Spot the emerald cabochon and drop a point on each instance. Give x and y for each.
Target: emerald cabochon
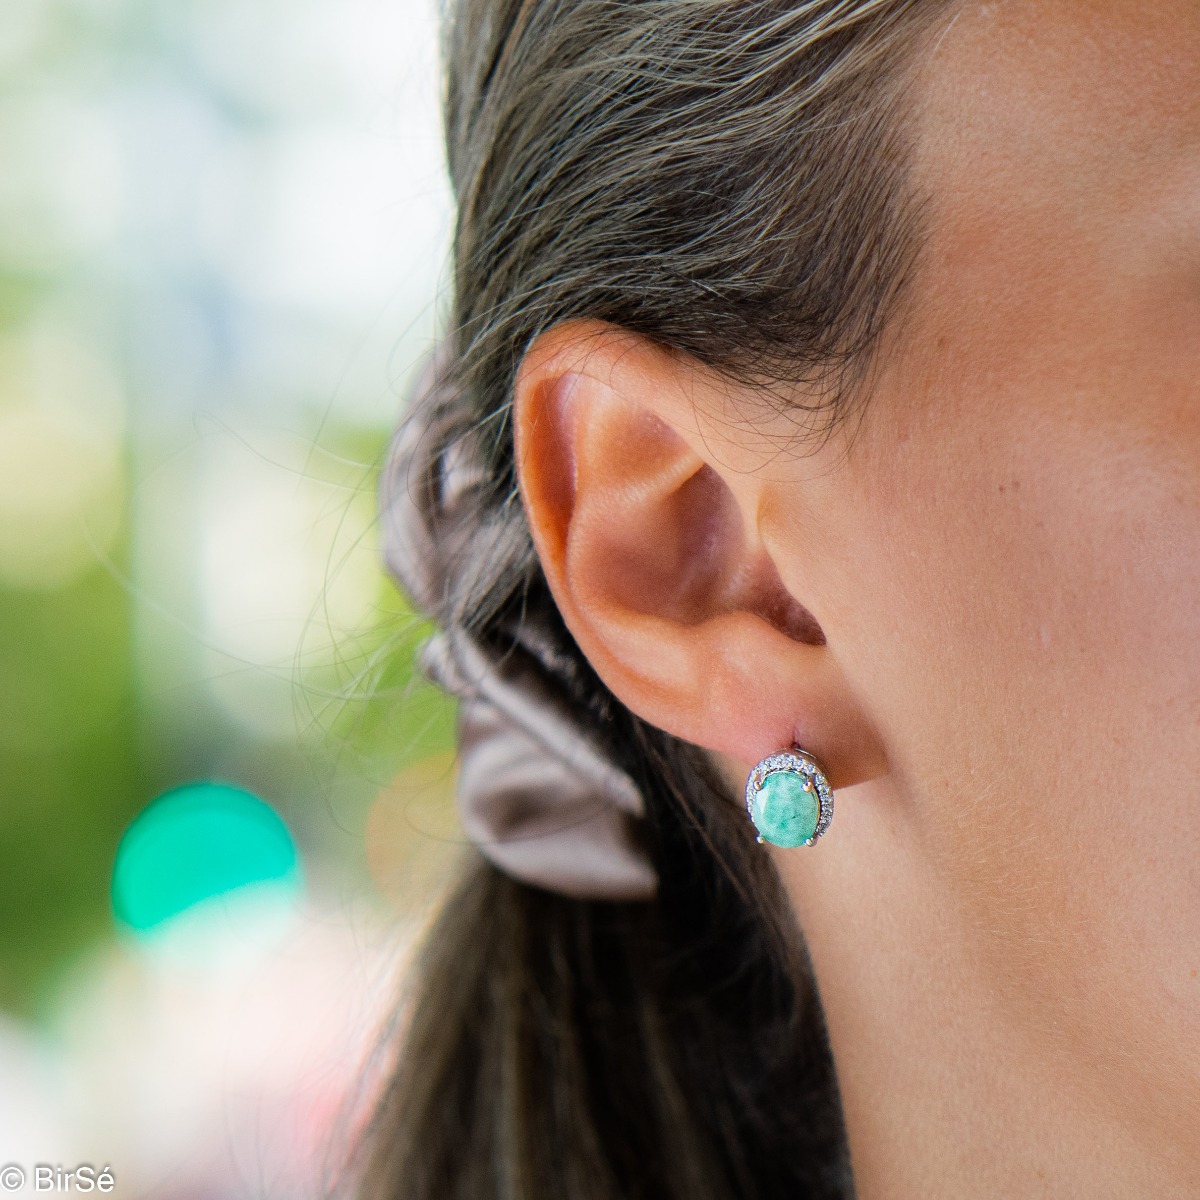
(786, 809)
(789, 799)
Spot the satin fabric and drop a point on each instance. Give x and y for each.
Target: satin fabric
(535, 794)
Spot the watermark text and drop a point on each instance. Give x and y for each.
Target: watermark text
(53, 1177)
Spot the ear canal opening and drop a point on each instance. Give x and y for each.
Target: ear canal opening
(715, 554)
(783, 612)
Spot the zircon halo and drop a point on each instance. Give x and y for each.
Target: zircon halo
(789, 799)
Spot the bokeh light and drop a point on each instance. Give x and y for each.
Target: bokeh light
(62, 429)
(196, 843)
(224, 230)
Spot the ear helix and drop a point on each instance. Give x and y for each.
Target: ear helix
(789, 799)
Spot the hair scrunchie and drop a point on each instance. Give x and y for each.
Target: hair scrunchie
(535, 794)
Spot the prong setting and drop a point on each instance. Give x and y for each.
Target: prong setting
(801, 763)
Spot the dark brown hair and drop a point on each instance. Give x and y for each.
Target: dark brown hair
(725, 178)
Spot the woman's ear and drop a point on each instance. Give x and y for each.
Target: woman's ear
(646, 526)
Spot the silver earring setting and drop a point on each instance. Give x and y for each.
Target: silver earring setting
(789, 799)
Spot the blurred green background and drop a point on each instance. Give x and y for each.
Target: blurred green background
(223, 224)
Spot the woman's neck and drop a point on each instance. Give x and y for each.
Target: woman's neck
(955, 1083)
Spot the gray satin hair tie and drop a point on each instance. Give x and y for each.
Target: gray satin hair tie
(536, 796)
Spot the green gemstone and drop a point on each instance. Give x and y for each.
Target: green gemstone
(784, 812)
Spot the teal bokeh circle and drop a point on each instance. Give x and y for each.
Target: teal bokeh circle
(196, 842)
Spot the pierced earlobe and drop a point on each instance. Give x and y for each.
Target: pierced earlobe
(789, 799)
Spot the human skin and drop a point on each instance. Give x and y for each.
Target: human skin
(1003, 557)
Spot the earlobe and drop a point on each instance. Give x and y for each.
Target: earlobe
(648, 541)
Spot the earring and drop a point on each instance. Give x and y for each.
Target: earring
(789, 799)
